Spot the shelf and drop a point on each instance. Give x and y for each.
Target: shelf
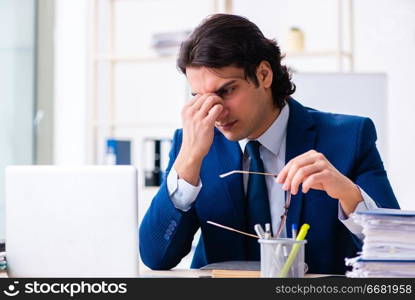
(318, 54)
(152, 58)
(134, 58)
(150, 189)
(104, 124)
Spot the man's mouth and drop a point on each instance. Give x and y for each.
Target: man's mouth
(226, 126)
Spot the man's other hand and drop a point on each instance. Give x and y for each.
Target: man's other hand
(314, 171)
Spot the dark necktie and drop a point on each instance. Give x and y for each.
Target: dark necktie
(258, 211)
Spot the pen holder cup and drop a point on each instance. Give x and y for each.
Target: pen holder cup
(282, 258)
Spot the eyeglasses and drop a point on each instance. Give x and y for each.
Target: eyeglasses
(284, 215)
(287, 196)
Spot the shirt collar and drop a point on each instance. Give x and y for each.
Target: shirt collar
(274, 135)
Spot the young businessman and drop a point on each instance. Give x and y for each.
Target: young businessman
(241, 117)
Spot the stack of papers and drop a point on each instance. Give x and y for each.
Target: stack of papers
(3, 264)
(388, 246)
(380, 268)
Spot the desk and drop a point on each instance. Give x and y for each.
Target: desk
(179, 273)
(194, 273)
(3, 274)
(176, 273)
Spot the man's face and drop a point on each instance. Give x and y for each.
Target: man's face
(248, 109)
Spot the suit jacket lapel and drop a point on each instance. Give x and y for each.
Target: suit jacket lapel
(300, 139)
(229, 156)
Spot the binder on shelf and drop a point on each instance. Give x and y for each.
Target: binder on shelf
(118, 152)
(156, 159)
(3, 262)
(168, 43)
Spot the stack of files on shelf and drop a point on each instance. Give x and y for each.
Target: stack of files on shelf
(388, 246)
(167, 43)
(3, 264)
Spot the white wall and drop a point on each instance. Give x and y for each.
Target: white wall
(70, 81)
(385, 41)
(362, 94)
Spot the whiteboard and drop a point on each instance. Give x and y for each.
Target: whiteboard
(347, 93)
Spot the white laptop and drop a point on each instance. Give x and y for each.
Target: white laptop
(72, 221)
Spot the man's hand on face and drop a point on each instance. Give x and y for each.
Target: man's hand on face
(314, 171)
(198, 116)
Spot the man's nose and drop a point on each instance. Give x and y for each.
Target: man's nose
(223, 114)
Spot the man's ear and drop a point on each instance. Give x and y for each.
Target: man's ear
(264, 74)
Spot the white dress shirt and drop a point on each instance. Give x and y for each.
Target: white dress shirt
(272, 152)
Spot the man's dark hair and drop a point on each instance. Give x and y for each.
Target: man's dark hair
(229, 40)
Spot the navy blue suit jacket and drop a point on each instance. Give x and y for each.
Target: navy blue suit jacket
(348, 142)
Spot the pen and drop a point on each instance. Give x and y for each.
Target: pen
(294, 250)
(259, 231)
(267, 231)
(294, 231)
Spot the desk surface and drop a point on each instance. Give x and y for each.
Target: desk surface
(177, 273)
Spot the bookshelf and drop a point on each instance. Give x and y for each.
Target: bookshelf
(110, 55)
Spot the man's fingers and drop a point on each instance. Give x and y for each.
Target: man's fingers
(282, 176)
(196, 102)
(208, 104)
(188, 109)
(302, 174)
(293, 167)
(213, 114)
(286, 174)
(192, 101)
(315, 181)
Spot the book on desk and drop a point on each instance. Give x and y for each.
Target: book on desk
(244, 269)
(234, 269)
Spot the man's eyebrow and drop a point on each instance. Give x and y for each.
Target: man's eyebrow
(221, 88)
(224, 86)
